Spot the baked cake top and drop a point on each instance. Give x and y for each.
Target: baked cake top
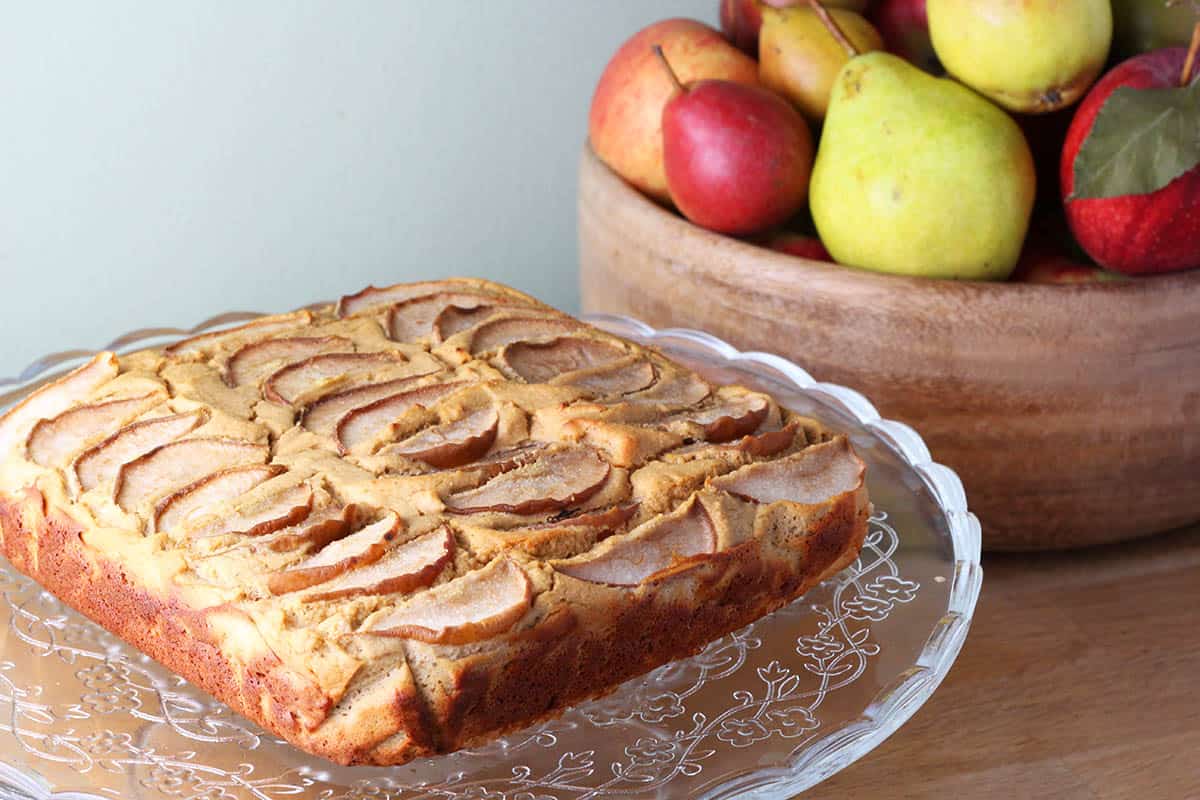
(427, 465)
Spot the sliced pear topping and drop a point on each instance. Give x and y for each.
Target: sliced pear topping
(612, 380)
(178, 464)
(315, 532)
(558, 480)
(407, 567)
(99, 464)
(498, 333)
(767, 443)
(477, 606)
(53, 442)
(288, 507)
(416, 318)
(570, 535)
(203, 495)
(360, 548)
(759, 445)
(609, 518)
(456, 319)
(54, 398)
(729, 417)
(814, 475)
(648, 551)
(538, 362)
(254, 329)
(452, 444)
(323, 416)
(508, 459)
(295, 381)
(677, 389)
(257, 360)
(366, 424)
(373, 297)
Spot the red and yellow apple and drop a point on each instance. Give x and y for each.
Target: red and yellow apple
(625, 122)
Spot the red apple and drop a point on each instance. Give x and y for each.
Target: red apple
(740, 21)
(797, 244)
(1043, 263)
(1134, 233)
(905, 31)
(625, 123)
(737, 157)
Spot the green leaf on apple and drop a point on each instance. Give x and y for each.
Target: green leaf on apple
(1141, 140)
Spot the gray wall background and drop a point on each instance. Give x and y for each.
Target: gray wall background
(162, 162)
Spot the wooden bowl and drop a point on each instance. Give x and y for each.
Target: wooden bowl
(1072, 413)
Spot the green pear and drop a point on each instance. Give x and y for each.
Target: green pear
(918, 175)
(1143, 25)
(1031, 56)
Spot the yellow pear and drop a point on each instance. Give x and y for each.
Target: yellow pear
(918, 175)
(1031, 56)
(799, 55)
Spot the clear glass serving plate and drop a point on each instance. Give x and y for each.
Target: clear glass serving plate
(766, 711)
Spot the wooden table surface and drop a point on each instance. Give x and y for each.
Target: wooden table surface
(1080, 678)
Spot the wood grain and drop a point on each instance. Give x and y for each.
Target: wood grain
(1077, 680)
(1060, 406)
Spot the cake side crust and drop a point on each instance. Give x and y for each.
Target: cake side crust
(541, 672)
(532, 676)
(47, 547)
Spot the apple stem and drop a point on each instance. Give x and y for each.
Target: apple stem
(1185, 79)
(833, 27)
(662, 57)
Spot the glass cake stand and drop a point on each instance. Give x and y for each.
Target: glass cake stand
(766, 711)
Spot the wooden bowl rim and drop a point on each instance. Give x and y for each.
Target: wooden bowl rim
(852, 278)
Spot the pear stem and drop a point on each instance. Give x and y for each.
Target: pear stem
(662, 57)
(1185, 78)
(833, 27)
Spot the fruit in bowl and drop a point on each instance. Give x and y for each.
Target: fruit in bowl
(1143, 25)
(1044, 261)
(741, 19)
(801, 50)
(1032, 56)
(737, 157)
(918, 175)
(914, 174)
(904, 26)
(625, 122)
(798, 244)
(1060, 396)
(1130, 174)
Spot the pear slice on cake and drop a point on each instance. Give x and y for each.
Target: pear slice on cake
(479, 605)
(558, 480)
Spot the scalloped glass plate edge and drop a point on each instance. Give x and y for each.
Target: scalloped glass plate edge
(892, 706)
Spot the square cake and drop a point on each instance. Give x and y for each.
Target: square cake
(417, 519)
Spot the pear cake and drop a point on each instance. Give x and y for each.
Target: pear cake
(417, 519)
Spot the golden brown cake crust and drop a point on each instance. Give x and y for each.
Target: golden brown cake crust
(545, 528)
